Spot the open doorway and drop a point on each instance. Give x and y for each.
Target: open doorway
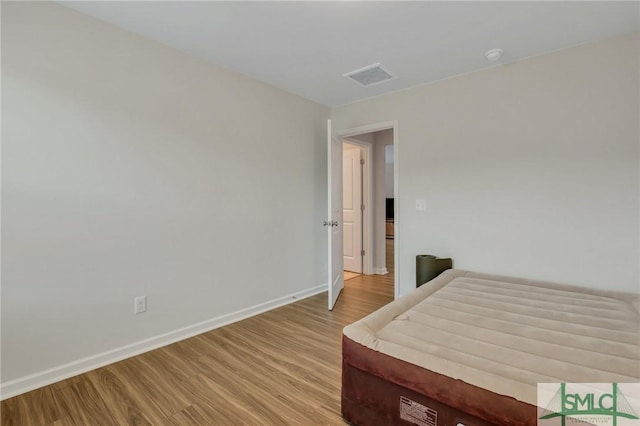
(374, 237)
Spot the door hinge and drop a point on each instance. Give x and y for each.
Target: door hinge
(362, 207)
(361, 252)
(362, 161)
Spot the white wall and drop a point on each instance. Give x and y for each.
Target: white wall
(528, 169)
(381, 140)
(388, 171)
(132, 169)
(365, 137)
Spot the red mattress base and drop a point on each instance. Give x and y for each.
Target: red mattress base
(380, 390)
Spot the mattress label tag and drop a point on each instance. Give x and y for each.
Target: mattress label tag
(416, 413)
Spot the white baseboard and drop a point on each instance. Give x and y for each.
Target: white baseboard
(380, 271)
(56, 374)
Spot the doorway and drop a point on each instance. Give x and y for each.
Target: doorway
(376, 146)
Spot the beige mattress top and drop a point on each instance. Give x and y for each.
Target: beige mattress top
(506, 335)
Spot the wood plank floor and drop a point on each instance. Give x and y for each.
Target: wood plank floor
(282, 367)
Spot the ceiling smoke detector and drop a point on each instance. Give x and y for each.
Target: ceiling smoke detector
(370, 75)
(493, 54)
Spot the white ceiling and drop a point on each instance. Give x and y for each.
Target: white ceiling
(306, 47)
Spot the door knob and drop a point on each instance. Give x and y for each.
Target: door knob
(334, 223)
(325, 223)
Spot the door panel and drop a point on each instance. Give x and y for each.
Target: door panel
(347, 246)
(334, 207)
(352, 213)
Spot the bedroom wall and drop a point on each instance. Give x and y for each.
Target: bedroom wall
(131, 169)
(388, 171)
(528, 169)
(382, 139)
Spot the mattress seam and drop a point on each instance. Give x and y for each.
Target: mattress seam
(532, 316)
(518, 294)
(526, 337)
(501, 362)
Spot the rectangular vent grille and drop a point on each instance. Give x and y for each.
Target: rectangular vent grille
(370, 75)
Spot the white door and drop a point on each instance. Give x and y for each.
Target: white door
(352, 208)
(334, 222)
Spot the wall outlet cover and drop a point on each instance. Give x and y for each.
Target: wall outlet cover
(140, 304)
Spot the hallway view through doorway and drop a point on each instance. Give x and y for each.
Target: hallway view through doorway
(383, 283)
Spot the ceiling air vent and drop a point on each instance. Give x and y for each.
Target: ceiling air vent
(370, 75)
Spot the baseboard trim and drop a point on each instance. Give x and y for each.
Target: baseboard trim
(380, 271)
(65, 371)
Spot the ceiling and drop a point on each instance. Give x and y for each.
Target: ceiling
(306, 47)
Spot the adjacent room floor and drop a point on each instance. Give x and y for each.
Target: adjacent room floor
(388, 259)
(280, 367)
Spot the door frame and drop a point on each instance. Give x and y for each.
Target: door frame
(370, 128)
(367, 196)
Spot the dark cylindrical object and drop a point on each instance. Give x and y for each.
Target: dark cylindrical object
(428, 267)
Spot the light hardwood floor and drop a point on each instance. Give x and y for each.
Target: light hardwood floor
(282, 367)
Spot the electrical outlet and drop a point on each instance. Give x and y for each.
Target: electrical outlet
(140, 304)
